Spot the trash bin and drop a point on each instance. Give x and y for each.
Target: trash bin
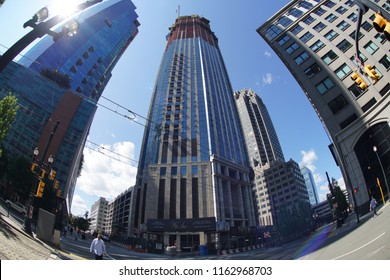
(203, 250)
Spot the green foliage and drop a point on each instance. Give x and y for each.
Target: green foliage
(8, 110)
(81, 223)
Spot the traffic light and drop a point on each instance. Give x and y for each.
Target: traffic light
(359, 81)
(382, 25)
(59, 193)
(41, 186)
(355, 190)
(56, 184)
(53, 174)
(371, 73)
(43, 174)
(33, 166)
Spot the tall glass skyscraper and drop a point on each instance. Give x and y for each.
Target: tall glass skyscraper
(87, 59)
(310, 185)
(193, 168)
(79, 68)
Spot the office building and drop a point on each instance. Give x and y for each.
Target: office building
(310, 185)
(99, 216)
(79, 68)
(315, 39)
(279, 186)
(193, 182)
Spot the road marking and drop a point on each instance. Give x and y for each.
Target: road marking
(353, 251)
(376, 251)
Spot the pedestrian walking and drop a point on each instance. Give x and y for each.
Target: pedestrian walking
(373, 204)
(98, 247)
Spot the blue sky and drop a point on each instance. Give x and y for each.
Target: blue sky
(250, 63)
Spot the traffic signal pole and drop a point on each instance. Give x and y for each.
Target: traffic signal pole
(364, 6)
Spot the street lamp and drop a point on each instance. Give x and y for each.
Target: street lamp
(374, 148)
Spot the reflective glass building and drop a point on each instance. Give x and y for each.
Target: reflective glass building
(105, 31)
(193, 166)
(79, 68)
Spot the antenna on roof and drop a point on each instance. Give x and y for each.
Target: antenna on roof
(178, 11)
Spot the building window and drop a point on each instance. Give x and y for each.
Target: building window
(385, 62)
(356, 90)
(343, 71)
(353, 17)
(343, 25)
(163, 171)
(306, 5)
(371, 48)
(385, 90)
(329, 4)
(273, 31)
(368, 105)
(284, 40)
(366, 26)
(331, 18)
(320, 12)
(285, 21)
(331, 35)
(317, 46)
(183, 170)
(338, 103)
(295, 13)
(306, 37)
(344, 45)
(353, 35)
(320, 26)
(325, 85)
(297, 29)
(381, 38)
(309, 20)
(292, 48)
(348, 121)
(341, 10)
(301, 58)
(312, 70)
(329, 57)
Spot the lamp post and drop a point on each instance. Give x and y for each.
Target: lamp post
(41, 28)
(374, 148)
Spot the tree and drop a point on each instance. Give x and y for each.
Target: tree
(8, 110)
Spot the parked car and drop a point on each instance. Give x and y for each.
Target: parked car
(17, 206)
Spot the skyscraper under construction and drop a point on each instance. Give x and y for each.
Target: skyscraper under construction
(193, 183)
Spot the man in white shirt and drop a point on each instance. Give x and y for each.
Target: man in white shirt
(98, 247)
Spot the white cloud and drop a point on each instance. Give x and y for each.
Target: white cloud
(267, 79)
(267, 54)
(79, 206)
(109, 172)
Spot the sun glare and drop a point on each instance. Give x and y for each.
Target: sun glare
(63, 8)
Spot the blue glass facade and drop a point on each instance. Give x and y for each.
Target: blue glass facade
(105, 31)
(38, 98)
(87, 58)
(193, 162)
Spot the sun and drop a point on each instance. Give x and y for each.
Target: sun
(63, 8)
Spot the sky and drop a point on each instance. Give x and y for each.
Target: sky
(114, 142)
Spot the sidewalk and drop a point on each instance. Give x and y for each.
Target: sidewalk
(15, 244)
